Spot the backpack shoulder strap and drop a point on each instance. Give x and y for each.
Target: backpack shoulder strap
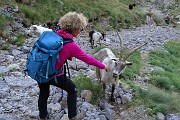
(66, 41)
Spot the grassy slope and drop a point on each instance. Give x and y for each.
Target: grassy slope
(163, 94)
(48, 10)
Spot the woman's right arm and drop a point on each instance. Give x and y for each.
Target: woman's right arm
(77, 52)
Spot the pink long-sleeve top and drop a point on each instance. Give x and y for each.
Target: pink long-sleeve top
(71, 49)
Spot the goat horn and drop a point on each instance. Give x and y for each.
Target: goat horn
(121, 44)
(133, 50)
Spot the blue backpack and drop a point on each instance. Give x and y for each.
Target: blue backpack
(42, 59)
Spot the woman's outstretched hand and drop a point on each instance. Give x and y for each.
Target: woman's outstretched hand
(107, 68)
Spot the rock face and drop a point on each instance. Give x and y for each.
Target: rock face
(19, 93)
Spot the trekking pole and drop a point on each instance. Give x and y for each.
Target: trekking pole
(62, 94)
(68, 70)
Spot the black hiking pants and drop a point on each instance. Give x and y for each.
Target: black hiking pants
(65, 84)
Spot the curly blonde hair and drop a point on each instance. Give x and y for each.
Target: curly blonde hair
(73, 21)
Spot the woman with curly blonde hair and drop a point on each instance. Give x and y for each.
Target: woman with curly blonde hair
(72, 24)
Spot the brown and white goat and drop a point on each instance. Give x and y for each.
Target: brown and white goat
(115, 64)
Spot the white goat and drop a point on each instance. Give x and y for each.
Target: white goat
(116, 66)
(96, 38)
(38, 29)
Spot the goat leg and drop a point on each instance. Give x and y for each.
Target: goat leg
(112, 99)
(92, 44)
(90, 40)
(100, 42)
(104, 86)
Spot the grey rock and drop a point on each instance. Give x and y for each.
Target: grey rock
(13, 67)
(20, 81)
(86, 95)
(8, 117)
(160, 116)
(109, 113)
(34, 114)
(16, 52)
(173, 116)
(54, 107)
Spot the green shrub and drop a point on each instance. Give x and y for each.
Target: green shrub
(85, 83)
(162, 81)
(5, 47)
(4, 21)
(173, 48)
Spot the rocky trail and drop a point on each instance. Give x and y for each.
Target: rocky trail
(19, 93)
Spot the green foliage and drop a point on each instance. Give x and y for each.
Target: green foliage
(19, 40)
(169, 60)
(85, 83)
(5, 47)
(125, 18)
(32, 14)
(107, 8)
(4, 21)
(163, 95)
(174, 9)
(160, 100)
(162, 81)
(173, 48)
(51, 10)
(132, 70)
(47, 11)
(2, 74)
(127, 2)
